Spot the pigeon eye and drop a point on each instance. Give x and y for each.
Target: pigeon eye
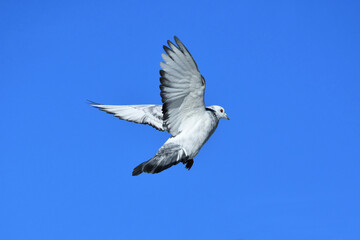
(221, 110)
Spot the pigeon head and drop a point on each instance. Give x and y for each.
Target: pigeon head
(219, 112)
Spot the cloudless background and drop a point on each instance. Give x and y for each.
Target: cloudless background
(286, 166)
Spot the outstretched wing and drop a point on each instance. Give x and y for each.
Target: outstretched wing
(143, 114)
(182, 87)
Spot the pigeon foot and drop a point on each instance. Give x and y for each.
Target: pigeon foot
(189, 164)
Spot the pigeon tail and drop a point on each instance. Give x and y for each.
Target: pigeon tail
(167, 156)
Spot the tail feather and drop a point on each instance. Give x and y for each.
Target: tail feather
(139, 169)
(167, 156)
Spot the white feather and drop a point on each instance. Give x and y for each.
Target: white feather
(143, 114)
(182, 88)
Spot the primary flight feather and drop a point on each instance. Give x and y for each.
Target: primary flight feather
(183, 113)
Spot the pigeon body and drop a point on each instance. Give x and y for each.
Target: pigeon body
(183, 113)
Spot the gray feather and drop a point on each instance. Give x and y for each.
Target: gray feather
(167, 156)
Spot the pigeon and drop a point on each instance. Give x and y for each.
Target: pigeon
(183, 113)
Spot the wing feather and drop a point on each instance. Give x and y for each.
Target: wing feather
(142, 114)
(182, 87)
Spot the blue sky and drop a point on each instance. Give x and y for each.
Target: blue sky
(286, 166)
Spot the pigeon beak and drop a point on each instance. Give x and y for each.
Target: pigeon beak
(226, 117)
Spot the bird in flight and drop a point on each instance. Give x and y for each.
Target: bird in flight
(183, 113)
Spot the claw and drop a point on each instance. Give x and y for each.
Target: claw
(189, 164)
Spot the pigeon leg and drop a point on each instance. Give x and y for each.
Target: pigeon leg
(189, 164)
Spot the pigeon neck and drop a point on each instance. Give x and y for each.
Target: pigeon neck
(212, 111)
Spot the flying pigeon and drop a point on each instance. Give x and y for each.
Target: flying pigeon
(183, 113)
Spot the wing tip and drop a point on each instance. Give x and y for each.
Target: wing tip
(92, 103)
(168, 51)
(179, 43)
(184, 50)
(138, 170)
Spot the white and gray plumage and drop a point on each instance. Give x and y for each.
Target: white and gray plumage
(183, 113)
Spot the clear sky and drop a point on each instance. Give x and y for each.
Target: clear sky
(286, 166)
